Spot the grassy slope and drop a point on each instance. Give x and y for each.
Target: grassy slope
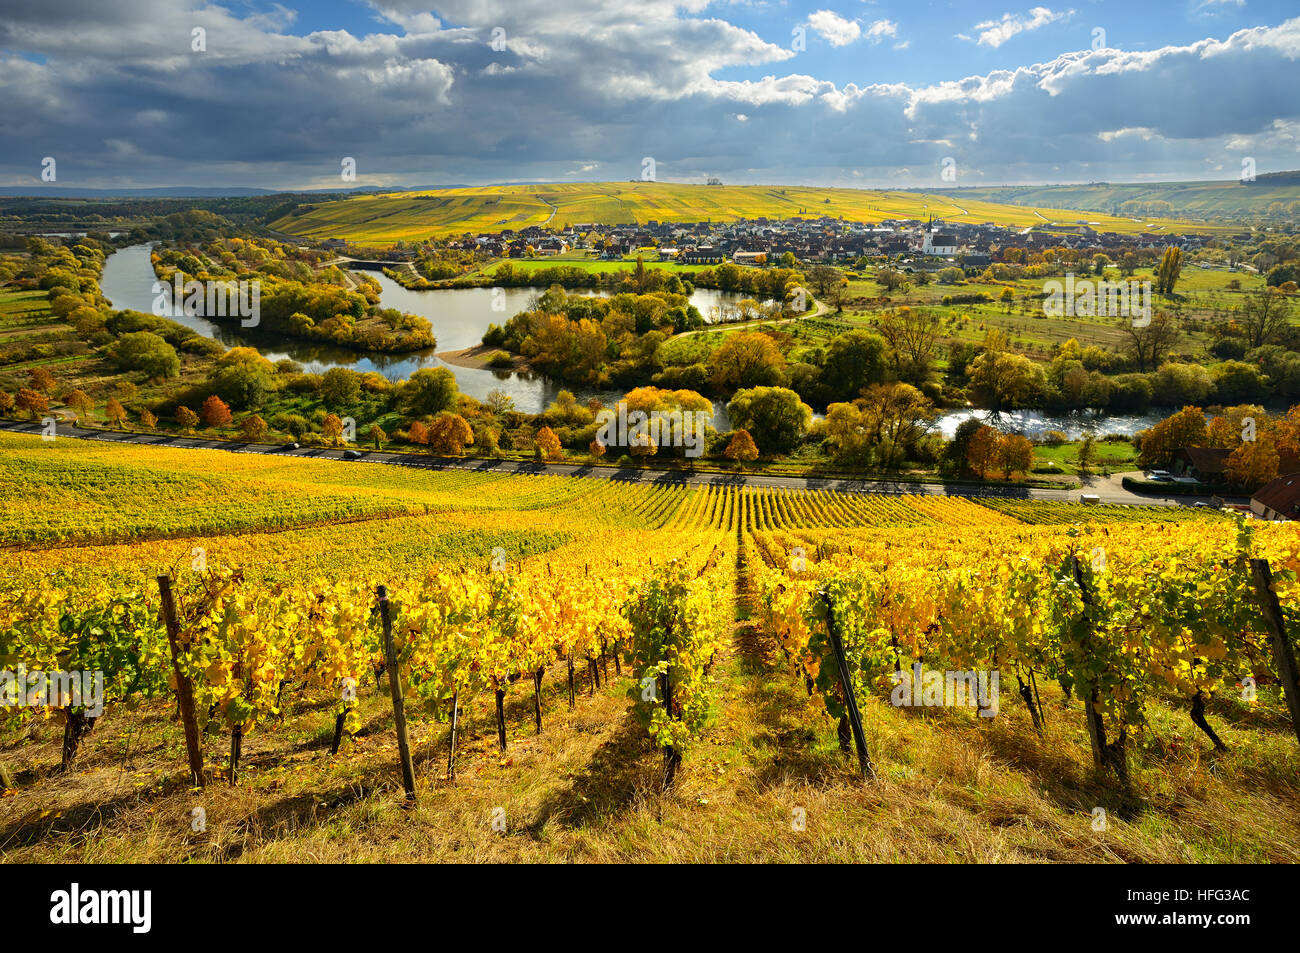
(419, 215)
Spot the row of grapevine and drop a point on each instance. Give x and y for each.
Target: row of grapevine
(455, 632)
(1115, 616)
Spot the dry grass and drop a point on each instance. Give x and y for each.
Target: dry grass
(951, 787)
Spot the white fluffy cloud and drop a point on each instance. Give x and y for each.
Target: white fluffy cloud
(833, 28)
(996, 32)
(838, 31)
(588, 87)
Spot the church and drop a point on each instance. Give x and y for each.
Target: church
(936, 243)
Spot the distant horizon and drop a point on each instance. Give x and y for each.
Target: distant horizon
(212, 191)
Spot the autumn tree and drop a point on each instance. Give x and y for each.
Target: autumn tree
(215, 413)
(6, 402)
(1187, 428)
(147, 420)
(340, 387)
(252, 428)
(115, 413)
(547, 445)
(748, 359)
(187, 419)
(741, 447)
(41, 380)
(377, 436)
(417, 432)
(891, 279)
(1003, 381)
(596, 448)
(1253, 463)
(80, 402)
(450, 434)
(1014, 454)
(32, 401)
(823, 278)
(331, 430)
(981, 450)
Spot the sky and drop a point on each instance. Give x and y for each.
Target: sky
(911, 94)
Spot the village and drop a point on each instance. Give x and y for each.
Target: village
(832, 240)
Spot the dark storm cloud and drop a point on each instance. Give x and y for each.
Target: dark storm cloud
(584, 90)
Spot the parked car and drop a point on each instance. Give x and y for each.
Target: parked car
(1160, 476)
(351, 455)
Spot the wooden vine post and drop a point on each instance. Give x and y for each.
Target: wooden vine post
(846, 683)
(537, 697)
(395, 688)
(1282, 651)
(455, 722)
(500, 694)
(1104, 753)
(184, 685)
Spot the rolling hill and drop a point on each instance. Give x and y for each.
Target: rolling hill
(1189, 200)
(397, 216)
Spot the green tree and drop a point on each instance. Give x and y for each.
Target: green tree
(340, 387)
(430, 390)
(146, 352)
(243, 378)
(774, 416)
(1002, 381)
(854, 360)
(1087, 453)
(1171, 265)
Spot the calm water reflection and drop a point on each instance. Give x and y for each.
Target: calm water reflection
(459, 317)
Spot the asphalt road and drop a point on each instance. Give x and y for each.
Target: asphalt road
(1106, 493)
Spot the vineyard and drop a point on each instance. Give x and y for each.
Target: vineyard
(315, 660)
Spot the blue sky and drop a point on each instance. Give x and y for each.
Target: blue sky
(933, 50)
(843, 92)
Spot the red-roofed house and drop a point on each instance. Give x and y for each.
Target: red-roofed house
(1279, 500)
(1206, 464)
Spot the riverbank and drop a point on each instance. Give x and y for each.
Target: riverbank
(482, 357)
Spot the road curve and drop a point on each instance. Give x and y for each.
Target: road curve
(625, 474)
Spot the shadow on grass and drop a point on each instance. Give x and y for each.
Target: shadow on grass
(286, 817)
(622, 774)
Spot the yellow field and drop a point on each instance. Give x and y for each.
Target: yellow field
(396, 216)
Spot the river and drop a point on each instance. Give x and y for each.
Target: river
(1034, 423)
(459, 317)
